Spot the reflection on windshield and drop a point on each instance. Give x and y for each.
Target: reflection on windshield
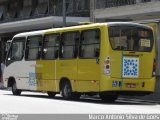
(131, 38)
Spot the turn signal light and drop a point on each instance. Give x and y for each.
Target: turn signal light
(107, 65)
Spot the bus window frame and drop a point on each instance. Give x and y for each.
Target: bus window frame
(26, 59)
(42, 53)
(76, 45)
(23, 39)
(80, 43)
(134, 26)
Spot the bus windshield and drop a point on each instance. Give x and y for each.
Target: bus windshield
(131, 38)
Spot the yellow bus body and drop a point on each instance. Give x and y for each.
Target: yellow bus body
(110, 73)
(87, 76)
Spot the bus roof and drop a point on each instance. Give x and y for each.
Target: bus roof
(127, 23)
(41, 32)
(25, 34)
(97, 25)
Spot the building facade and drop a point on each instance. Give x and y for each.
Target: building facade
(126, 10)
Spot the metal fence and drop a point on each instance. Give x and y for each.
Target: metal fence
(26, 9)
(116, 3)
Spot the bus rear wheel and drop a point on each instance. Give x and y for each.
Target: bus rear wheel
(51, 94)
(15, 91)
(108, 98)
(66, 90)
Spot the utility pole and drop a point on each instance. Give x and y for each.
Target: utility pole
(64, 13)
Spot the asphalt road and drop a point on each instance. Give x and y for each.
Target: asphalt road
(40, 103)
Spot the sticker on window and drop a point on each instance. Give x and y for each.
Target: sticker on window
(145, 43)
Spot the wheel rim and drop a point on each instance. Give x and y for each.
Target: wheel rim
(67, 90)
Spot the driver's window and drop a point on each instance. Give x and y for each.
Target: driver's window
(16, 51)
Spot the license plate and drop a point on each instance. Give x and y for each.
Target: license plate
(131, 85)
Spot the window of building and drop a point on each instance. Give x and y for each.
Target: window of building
(51, 46)
(33, 47)
(27, 9)
(1, 12)
(16, 51)
(90, 44)
(11, 10)
(42, 7)
(69, 45)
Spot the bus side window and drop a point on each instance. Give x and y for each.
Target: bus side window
(16, 51)
(69, 45)
(51, 46)
(33, 48)
(90, 44)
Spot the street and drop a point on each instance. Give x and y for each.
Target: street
(40, 103)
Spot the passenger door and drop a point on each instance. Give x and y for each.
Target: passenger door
(15, 63)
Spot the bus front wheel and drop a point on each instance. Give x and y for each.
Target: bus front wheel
(108, 98)
(15, 91)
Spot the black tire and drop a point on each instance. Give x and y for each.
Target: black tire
(51, 94)
(15, 91)
(66, 90)
(108, 98)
